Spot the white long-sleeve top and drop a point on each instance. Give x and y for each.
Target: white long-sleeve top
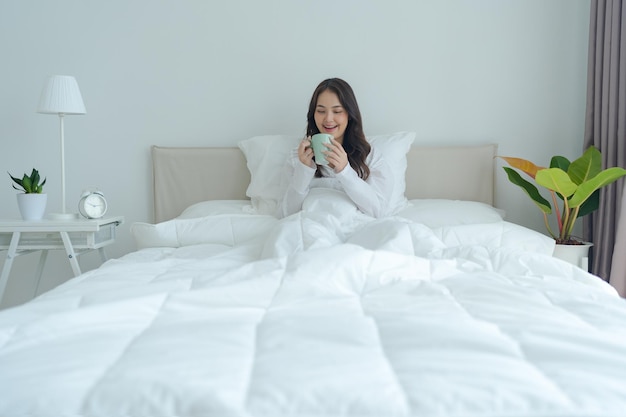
(371, 196)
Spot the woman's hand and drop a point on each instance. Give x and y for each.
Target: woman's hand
(336, 156)
(305, 152)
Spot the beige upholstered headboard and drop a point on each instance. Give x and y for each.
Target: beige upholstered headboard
(186, 175)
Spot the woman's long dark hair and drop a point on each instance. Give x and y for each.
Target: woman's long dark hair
(354, 142)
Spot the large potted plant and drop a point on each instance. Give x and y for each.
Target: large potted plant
(573, 188)
(31, 201)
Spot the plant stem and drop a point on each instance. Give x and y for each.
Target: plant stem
(563, 232)
(573, 217)
(545, 220)
(556, 210)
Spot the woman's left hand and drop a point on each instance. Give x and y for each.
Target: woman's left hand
(336, 156)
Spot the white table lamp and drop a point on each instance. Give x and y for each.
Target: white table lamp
(61, 96)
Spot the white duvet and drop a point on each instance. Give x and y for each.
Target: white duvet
(324, 313)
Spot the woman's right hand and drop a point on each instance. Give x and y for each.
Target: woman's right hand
(305, 152)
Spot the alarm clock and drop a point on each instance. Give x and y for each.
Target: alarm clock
(92, 204)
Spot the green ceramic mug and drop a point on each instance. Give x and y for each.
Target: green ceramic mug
(317, 143)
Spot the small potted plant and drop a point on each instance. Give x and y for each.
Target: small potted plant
(32, 201)
(574, 188)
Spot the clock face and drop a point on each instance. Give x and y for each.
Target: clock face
(93, 206)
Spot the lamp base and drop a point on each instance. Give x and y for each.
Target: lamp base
(63, 216)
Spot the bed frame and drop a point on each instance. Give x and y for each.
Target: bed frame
(187, 175)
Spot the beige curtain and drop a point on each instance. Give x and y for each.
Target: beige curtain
(605, 126)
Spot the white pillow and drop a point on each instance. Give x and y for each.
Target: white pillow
(393, 148)
(439, 212)
(215, 207)
(266, 157)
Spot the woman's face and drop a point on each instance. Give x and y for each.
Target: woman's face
(330, 116)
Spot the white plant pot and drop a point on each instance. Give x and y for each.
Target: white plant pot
(32, 206)
(575, 254)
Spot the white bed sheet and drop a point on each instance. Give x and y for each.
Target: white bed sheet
(321, 315)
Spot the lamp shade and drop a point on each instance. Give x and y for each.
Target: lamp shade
(61, 95)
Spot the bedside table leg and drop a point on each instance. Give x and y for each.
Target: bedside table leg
(71, 256)
(103, 255)
(6, 269)
(42, 261)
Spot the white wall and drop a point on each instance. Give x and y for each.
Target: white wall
(199, 72)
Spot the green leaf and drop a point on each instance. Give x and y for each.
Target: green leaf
(560, 162)
(35, 177)
(556, 180)
(17, 180)
(530, 189)
(587, 188)
(27, 184)
(590, 205)
(586, 167)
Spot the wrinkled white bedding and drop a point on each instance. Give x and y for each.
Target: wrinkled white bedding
(324, 313)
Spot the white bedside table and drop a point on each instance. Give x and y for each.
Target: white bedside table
(19, 237)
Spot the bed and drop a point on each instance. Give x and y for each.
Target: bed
(441, 308)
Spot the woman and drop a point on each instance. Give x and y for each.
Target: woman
(354, 166)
